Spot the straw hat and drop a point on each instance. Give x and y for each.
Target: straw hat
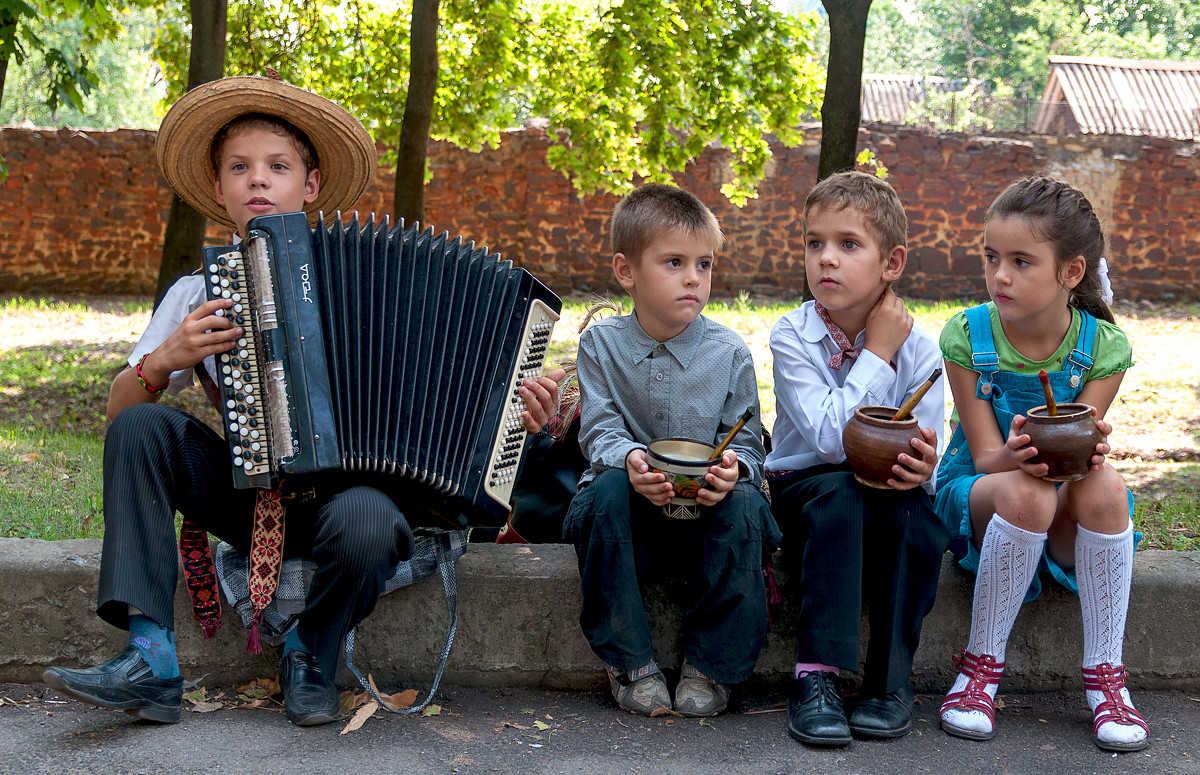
(345, 152)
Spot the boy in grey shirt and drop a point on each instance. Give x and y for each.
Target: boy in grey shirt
(665, 371)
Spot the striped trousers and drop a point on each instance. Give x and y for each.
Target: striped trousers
(159, 460)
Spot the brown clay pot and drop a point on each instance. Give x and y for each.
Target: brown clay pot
(872, 440)
(1065, 442)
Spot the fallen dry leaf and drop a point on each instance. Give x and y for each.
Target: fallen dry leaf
(432, 710)
(361, 716)
(260, 689)
(542, 725)
(397, 701)
(263, 703)
(516, 726)
(664, 712)
(199, 694)
(206, 707)
(349, 700)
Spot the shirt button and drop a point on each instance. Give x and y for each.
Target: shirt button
(658, 416)
(658, 377)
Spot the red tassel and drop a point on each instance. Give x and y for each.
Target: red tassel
(774, 596)
(253, 644)
(509, 535)
(210, 627)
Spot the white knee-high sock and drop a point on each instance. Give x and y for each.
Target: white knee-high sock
(1104, 571)
(1008, 561)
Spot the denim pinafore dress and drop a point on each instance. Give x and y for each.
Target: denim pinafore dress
(1009, 394)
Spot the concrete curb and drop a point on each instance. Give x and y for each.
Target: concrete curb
(518, 609)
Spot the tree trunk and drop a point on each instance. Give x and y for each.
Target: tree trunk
(841, 111)
(8, 31)
(184, 240)
(418, 112)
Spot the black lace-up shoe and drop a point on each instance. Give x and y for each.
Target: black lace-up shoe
(123, 683)
(883, 716)
(816, 715)
(309, 697)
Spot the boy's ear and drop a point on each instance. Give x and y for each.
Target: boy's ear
(623, 270)
(217, 190)
(893, 263)
(1073, 272)
(312, 185)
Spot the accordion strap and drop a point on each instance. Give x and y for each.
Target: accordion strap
(200, 576)
(266, 553)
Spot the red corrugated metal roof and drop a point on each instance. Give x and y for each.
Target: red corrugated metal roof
(1124, 96)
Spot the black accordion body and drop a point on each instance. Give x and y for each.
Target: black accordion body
(382, 350)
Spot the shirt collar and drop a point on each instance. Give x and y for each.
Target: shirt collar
(682, 347)
(814, 329)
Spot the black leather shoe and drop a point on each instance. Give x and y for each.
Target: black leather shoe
(125, 683)
(815, 712)
(308, 697)
(883, 716)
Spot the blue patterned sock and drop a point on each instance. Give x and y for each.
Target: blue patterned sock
(293, 642)
(157, 644)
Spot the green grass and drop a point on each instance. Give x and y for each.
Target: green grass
(1171, 520)
(50, 484)
(53, 397)
(17, 304)
(58, 386)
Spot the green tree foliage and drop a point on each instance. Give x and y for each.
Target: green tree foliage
(1011, 39)
(896, 42)
(23, 37)
(126, 85)
(631, 89)
(640, 90)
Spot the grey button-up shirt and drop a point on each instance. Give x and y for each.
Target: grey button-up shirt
(636, 389)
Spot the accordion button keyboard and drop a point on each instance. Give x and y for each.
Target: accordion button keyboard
(239, 379)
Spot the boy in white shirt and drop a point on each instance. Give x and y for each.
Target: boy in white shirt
(854, 345)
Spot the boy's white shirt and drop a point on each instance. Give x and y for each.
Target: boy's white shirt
(813, 402)
(182, 298)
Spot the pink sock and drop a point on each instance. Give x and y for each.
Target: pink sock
(803, 668)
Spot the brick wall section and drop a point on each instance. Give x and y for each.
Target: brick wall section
(84, 211)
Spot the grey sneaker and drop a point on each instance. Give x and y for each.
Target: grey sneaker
(698, 695)
(640, 691)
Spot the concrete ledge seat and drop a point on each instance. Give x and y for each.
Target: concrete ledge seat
(518, 610)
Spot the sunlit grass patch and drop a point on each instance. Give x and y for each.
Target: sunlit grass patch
(50, 484)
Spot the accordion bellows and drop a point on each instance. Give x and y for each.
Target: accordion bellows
(370, 348)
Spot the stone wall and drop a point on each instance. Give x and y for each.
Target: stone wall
(84, 211)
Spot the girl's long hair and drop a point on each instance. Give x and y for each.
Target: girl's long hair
(1063, 216)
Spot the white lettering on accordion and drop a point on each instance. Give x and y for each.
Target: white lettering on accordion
(304, 283)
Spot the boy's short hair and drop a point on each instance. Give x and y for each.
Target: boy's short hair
(273, 124)
(654, 209)
(876, 201)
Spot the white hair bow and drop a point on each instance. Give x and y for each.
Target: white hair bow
(1106, 290)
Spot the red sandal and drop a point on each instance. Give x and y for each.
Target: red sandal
(1110, 679)
(980, 672)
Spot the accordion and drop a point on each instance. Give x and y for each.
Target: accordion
(382, 350)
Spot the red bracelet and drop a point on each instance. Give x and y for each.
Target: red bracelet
(151, 389)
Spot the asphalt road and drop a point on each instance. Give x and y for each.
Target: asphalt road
(485, 731)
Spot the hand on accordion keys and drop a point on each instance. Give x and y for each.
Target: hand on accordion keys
(541, 399)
